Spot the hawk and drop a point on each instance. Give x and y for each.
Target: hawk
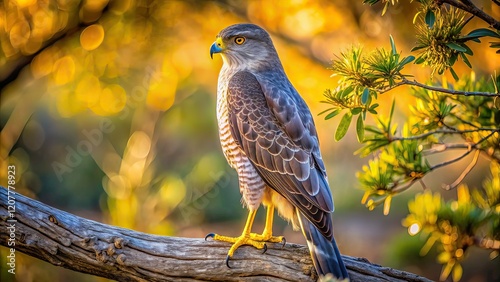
(268, 136)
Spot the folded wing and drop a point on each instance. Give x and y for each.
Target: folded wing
(282, 148)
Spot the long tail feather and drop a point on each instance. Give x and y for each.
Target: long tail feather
(325, 253)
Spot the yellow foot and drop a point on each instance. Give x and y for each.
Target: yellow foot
(252, 239)
(268, 238)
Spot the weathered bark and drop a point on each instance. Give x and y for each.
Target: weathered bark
(91, 247)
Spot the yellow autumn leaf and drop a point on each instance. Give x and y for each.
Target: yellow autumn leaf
(387, 205)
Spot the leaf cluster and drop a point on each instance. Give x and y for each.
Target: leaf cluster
(398, 164)
(440, 41)
(402, 159)
(454, 226)
(362, 76)
(467, 111)
(440, 35)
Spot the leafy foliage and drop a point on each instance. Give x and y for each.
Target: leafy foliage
(467, 109)
(454, 226)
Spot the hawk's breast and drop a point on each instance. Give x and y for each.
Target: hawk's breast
(251, 184)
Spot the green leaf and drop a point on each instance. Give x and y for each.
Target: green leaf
(391, 113)
(466, 61)
(430, 18)
(453, 58)
(348, 90)
(393, 45)
(494, 44)
(343, 126)
(356, 111)
(419, 60)
(360, 129)
(365, 95)
(407, 60)
(454, 74)
(327, 110)
(456, 47)
(481, 32)
(344, 92)
(469, 50)
(418, 47)
(372, 108)
(332, 114)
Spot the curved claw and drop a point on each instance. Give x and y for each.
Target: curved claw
(227, 261)
(265, 248)
(209, 235)
(284, 242)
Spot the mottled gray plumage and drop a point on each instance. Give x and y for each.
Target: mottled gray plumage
(268, 135)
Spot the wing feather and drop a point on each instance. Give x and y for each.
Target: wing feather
(281, 148)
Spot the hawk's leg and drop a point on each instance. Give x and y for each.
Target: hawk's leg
(252, 239)
(267, 235)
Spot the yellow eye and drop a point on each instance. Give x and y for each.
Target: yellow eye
(239, 40)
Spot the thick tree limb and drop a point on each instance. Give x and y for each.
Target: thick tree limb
(91, 247)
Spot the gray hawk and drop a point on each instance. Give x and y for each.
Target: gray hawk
(268, 136)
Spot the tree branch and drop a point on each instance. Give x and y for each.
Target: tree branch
(437, 89)
(468, 6)
(121, 254)
(442, 131)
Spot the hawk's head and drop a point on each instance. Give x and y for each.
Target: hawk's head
(244, 45)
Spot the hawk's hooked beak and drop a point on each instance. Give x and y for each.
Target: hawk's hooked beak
(217, 47)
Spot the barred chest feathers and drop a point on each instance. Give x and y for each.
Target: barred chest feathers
(252, 187)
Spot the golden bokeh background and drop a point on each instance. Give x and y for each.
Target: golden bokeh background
(108, 112)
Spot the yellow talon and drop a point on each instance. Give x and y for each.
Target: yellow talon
(252, 239)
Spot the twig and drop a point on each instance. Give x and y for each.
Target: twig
(464, 173)
(437, 89)
(440, 131)
(439, 148)
(407, 186)
(464, 121)
(473, 146)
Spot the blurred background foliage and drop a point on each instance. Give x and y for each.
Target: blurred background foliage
(108, 112)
